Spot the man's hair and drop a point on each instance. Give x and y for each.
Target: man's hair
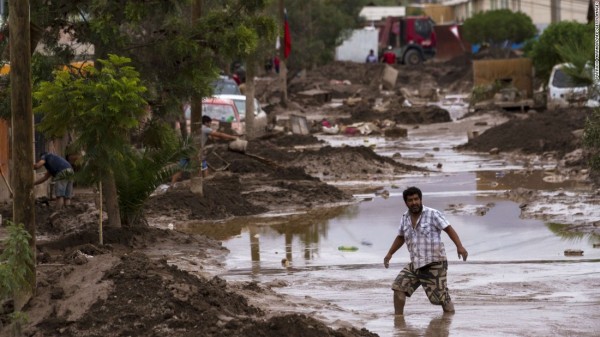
(412, 191)
(206, 119)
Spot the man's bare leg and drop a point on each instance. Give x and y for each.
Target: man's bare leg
(60, 201)
(448, 307)
(399, 301)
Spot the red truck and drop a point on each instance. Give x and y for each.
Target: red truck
(412, 38)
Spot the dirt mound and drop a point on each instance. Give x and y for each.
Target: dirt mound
(400, 114)
(536, 133)
(348, 163)
(287, 140)
(152, 298)
(222, 199)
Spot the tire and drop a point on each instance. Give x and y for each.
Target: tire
(412, 57)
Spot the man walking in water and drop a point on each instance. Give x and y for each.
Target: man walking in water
(420, 228)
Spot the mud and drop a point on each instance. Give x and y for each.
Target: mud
(149, 281)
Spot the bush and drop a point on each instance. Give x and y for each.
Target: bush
(545, 51)
(16, 262)
(499, 27)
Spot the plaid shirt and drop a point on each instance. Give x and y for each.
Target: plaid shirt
(424, 242)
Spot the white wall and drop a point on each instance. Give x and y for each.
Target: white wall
(357, 46)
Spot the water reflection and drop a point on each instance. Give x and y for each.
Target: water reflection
(529, 179)
(438, 327)
(301, 233)
(562, 230)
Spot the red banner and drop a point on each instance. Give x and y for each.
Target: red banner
(287, 37)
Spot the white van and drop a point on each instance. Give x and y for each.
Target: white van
(562, 92)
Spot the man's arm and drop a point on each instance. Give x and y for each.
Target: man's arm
(221, 135)
(39, 164)
(398, 242)
(42, 179)
(459, 247)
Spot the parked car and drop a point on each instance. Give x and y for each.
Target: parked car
(223, 112)
(260, 116)
(563, 92)
(225, 86)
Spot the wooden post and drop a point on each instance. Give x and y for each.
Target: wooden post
(22, 121)
(250, 90)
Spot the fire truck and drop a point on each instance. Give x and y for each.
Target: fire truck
(412, 38)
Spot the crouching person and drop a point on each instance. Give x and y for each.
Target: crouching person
(61, 171)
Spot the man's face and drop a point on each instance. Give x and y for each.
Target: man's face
(413, 202)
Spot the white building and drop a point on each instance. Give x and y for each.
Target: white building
(542, 12)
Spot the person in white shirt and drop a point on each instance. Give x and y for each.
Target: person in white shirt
(420, 228)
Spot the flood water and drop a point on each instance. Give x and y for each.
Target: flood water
(516, 282)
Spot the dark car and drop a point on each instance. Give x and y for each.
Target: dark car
(225, 86)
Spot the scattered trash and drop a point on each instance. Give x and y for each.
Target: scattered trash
(366, 243)
(238, 145)
(348, 248)
(161, 189)
(170, 226)
(573, 252)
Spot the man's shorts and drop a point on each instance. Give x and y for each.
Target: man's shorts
(185, 163)
(63, 187)
(432, 277)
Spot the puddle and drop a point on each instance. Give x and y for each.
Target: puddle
(517, 282)
(517, 271)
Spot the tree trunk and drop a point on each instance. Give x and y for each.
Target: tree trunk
(22, 124)
(109, 189)
(282, 65)
(250, 72)
(196, 120)
(196, 181)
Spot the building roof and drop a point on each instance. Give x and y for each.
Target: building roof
(454, 2)
(377, 13)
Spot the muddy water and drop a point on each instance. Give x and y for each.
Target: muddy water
(517, 282)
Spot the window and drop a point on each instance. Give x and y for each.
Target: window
(423, 28)
(219, 112)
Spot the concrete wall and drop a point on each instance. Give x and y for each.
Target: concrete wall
(357, 46)
(519, 70)
(539, 10)
(439, 13)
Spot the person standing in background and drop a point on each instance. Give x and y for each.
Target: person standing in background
(389, 56)
(371, 58)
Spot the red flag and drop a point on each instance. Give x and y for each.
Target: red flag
(287, 38)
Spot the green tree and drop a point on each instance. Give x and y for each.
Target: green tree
(317, 28)
(17, 270)
(102, 106)
(499, 29)
(591, 138)
(176, 56)
(147, 167)
(545, 52)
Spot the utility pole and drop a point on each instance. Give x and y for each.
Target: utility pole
(196, 120)
(555, 11)
(22, 121)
